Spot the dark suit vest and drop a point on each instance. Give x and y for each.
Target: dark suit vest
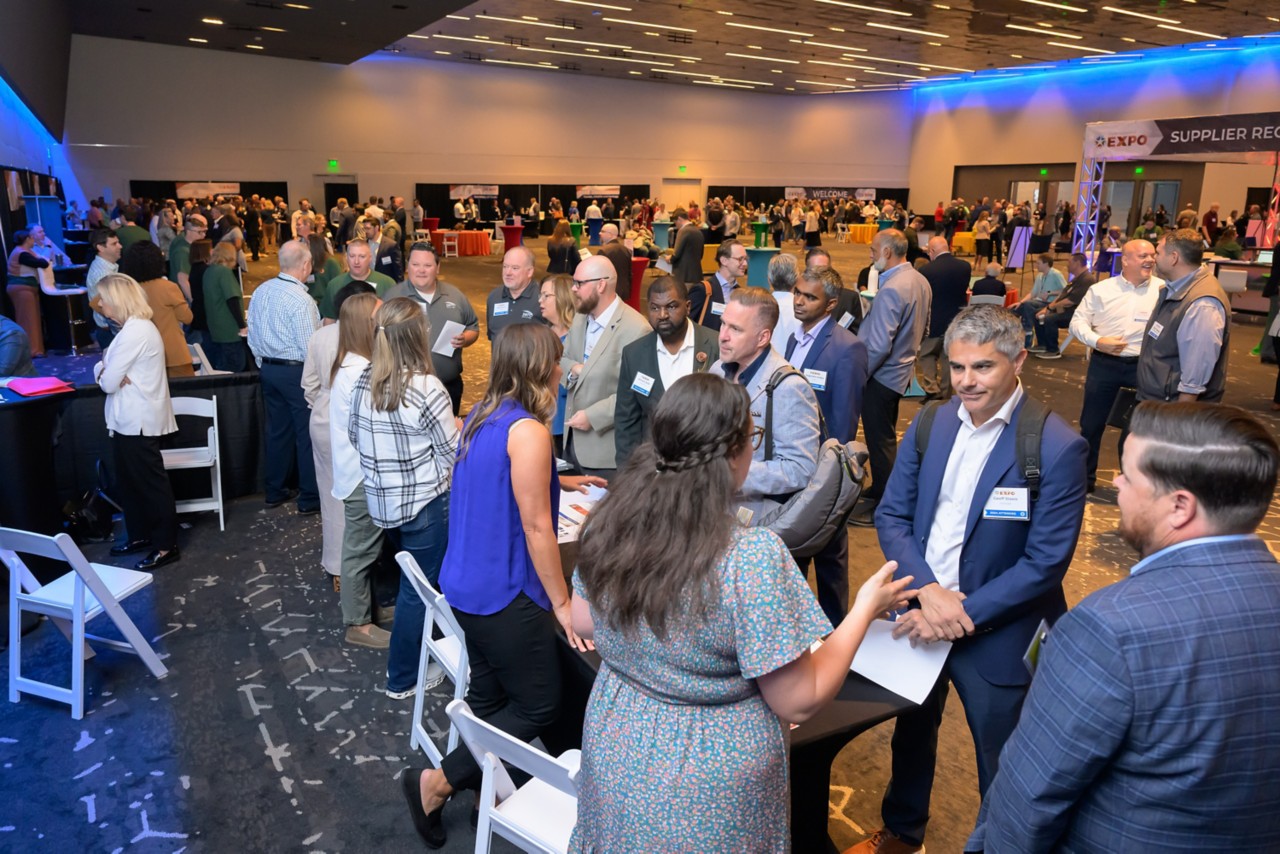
(1159, 366)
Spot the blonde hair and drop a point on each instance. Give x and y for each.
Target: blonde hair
(401, 349)
(563, 284)
(125, 296)
(224, 253)
(355, 329)
(524, 358)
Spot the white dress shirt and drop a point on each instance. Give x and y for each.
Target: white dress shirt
(804, 342)
(347, 474)
(596, 327)
(968, 458)
(1114, 308)
(673, 367)
(141, 407)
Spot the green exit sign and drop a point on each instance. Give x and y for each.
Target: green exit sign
(683, 169)
(1044, 171)
(334, 166)
(1137, 170)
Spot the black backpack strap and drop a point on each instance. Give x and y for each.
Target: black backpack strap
(924, 425)
(1029, 433)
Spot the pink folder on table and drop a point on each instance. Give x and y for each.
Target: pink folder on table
(35, 386)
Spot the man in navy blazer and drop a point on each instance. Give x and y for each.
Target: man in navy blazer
(987, 556)
(948, 278)
(1153, 723)
(834, 362)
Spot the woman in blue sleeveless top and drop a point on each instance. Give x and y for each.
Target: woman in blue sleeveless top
(501, 571)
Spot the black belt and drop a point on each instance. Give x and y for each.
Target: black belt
(1128, 360)
(288, 363)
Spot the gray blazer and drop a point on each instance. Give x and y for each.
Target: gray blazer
(796, 437)
(595, 389)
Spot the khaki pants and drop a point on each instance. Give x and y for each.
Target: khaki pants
(934, 370)
(361, 548)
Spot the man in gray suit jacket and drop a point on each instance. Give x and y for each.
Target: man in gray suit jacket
(747, 357)
(592, 358)
(676, 348)
(686, 257)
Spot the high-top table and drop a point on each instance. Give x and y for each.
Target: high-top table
(662, 235)
(638, 268)
(575, 228)
(761, 230)
(862, 232)
(512, 235)
(593, 231)
(758, 258)
(431, 223)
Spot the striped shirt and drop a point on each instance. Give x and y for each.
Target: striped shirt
(282, 317)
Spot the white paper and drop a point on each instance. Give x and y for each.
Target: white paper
(664, 265)
(448, 332)
(574, 508)
(873, 280)
(907, 671)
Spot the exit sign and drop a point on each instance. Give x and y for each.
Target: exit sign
(334, 166)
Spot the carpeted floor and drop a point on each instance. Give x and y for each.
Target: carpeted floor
(271, 734)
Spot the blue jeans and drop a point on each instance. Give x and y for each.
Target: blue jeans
(227, 357)
(425, 536)
(288, 435)
(1027, 311)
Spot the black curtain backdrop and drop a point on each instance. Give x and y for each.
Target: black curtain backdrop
(435, 197)
(160, 190)
(769, 195)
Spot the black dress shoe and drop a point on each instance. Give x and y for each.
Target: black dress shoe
(428, 824)
(865, 519)
(308, 511)
(288, 496)
(155, 560)
(130, 547)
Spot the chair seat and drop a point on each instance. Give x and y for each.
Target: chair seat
(449, 650)
(187, 458)
(543, 811)
(59, 594)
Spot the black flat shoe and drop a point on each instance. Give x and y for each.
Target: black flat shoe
(155, 560)
(289, 495)
(130, 547)
(429, 825)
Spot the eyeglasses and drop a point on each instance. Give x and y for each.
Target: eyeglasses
(577, 283)
(757, 436)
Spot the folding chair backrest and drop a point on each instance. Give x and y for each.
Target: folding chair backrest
(481, 738)
(196, 406)
(986, 299)
(436, 604)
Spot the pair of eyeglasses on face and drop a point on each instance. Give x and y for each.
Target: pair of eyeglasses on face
(757, 437)
(577, 283)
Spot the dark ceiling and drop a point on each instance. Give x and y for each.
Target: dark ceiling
(778, 46)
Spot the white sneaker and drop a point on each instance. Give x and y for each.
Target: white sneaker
(435, 675)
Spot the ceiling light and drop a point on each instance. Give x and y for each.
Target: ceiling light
(197, 41)
(296, 6)
(1127, 39)
(643, 24)
(1065, 7)
(530, 23)
(444, 52)
(848, 5)
(254, 46)
(839, 65)
(895, 74)
(723, 12)
(1043, 32)
(459, 17)
(635, 72)
(595, 56)
(820, 83)
(713, 77)
(754, 47)
(595, 5)
(935, 44)
(557, 39)
(1191, 32)
(1155, 18)
(526, 64)
(215, 21)
(764, 58)
(1016, 55)
(828, 44)
(1080, 47)
(487, 41)
(416, 36)
(907, 30)
(718, 83)
(767, 29)
(667, 55)
(271, 29)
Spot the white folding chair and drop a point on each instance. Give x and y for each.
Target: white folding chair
(204, 368)
(986, 299)
(842, 232)
(449, 651)
(71, 601)
(205, 456)
(540, 815)
(421, 234)
(449, 244)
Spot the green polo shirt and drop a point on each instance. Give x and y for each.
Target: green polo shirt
(381, 281)
(318, 283)
(179, 257)
(131, 234)
(220, 284)
(448, 304)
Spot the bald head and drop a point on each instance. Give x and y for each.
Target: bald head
(608, 232)
(938, 246)
(595, 285)
(295, 259)
(1137, 261)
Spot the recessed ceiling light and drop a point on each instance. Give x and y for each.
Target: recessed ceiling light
(839, 64)
(444, 52)
(1155, 18)
(595, 5)
(215, 21)
(723, 12)
(720, 83)
(459, 17)
(559, 40)
(525, 64)
(836, 46)
(895, 74)
(1016, 55)
(848, 5)
(1191, 32)
(1081, 47)
(907, 30)
(254, 46)
(667, 55)
(820, 83)
(594, 56)
(197, 41)
(529, 23)
(1066, 7)
(713, 77)
(296, 6)
(768, 29)
(935, 44)
(643, 24)
(1043, 32)
(764, 58)
(271, 29)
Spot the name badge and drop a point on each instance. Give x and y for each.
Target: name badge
(1156, 329)
(745, 515)
(717, 308)
(386, 259)
(817, 379)
(501, 309)
(642, 384)
(1011, 503)
(311, 280)
(845, 320)
(1142, 317)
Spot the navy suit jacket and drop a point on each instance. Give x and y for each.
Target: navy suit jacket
(844, 358)
(1010, 571)
(949, 278)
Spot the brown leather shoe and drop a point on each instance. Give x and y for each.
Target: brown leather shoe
(884, 841)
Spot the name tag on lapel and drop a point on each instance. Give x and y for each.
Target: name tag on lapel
(1008, 503)
(845, 320)
(501, 309)
(642, 384)
(1156, 329)
(717, 308)
(817, 379)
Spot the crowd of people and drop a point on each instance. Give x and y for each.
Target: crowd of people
(711, 408)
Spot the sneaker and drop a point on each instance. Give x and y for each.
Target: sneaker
(1048, 354)
(884, 841)
(435, 675)
(375, 638)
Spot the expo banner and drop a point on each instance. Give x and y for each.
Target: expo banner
(599, 191)
(826, 193)
(1185, 136)
(477, 191)
(207, 189)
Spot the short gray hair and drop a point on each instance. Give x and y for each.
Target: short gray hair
(987, 324)
(994, 270)
(783, 272)
(894, 239)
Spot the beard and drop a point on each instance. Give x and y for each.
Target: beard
(1136, 535)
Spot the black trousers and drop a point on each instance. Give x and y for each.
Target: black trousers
(515, 678)
(288, 435)
(1106, 376)
(880, 428)
(454, 387)
(144, 491)
(831, 576)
